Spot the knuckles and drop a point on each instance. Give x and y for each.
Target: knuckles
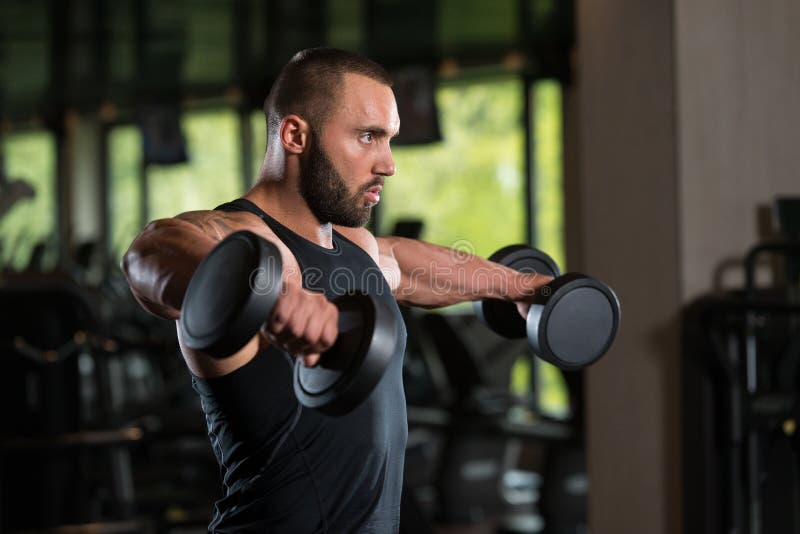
(303, 323)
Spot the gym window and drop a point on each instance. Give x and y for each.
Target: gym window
(125, 198)
(469, 189)
(548, 168)
(550, 391)
(258, 127)
(210, 177)
(27, 228)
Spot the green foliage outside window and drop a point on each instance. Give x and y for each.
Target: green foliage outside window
(212, 175)
(209, 178)
(469, 189)
(125, 156)
(258, 126)
(30, 157)
(548, 210)
(548, 214)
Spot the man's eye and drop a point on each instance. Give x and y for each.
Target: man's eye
(367, 137)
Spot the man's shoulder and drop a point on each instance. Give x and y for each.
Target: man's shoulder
(216, 225)
(361, 237)
(219, 224)
(203, 216)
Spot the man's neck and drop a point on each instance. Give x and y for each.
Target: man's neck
(283, 203)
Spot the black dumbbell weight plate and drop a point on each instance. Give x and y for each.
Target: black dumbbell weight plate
(231, 294)
(350, 370)
(577, 323)
(502, 316)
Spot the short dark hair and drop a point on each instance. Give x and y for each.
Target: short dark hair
(309, 84)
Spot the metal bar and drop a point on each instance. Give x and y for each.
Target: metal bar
(140, 35)
(93, 438)
(122, 481)
(529, 163)
(734, 460)
(241, 59)
(59, 51)
(529, 112)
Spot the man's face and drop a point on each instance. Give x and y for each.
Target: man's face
(346, 163)
(326, 192)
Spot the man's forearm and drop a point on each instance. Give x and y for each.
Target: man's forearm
(434, 276)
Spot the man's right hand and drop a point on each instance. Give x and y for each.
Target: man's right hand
(302, 323)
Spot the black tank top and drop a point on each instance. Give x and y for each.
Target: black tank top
(289, 469)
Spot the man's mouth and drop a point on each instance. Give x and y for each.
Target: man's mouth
(373, 194)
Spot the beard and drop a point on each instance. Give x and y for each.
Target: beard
(326, 193)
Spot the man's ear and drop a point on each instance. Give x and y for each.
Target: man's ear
(294, 133)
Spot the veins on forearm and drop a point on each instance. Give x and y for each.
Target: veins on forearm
(435, 276)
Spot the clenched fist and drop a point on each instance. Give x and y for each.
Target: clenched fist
(302, 323)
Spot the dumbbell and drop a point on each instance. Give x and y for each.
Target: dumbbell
(572, 321)
(232, 294)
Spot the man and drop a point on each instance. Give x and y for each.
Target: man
(330, 117)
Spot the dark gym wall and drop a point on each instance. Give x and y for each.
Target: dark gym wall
(684, 119)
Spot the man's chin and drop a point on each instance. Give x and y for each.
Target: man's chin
(357, 223)
(349, 222)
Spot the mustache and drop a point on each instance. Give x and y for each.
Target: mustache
(378, 180)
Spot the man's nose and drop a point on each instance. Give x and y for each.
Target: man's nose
(385, 165)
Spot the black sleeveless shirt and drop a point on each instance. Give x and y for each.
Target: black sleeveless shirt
(289, 469)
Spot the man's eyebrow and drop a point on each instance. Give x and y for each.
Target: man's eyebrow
(376, 130)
